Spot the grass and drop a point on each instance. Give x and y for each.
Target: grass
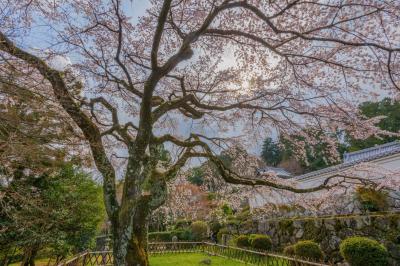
(182, 259)
(190, 259)
(38, 262)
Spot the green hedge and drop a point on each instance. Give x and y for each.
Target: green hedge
(199, 230)
(182, 224)
(160, 236)
(182, 235)
(308, 249)
(243, 241)
(261, 242)
(362, 251)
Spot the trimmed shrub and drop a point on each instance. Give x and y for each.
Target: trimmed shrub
(160, 236)
(289, 250)
(363, 251)
(242, 241)
(183, 235)
(308, 249)
(199, 230)
(262, 242)
(182, 224)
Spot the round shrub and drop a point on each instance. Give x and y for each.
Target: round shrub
(289, 250)
(362, 251)
(182, 224)
(242, 241)
(199, 230)
(308, 249)
(262, 242)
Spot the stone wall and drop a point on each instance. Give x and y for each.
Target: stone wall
(329, 232)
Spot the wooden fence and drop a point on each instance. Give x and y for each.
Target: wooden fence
(249, 257)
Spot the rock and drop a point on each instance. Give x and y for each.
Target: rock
(206, 261)
(394, 250)
(330, 224)
(299, 233)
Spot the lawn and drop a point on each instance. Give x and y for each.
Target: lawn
(190, 259)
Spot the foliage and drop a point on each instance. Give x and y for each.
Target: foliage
(215, 226)
(386, 107)
(363, 251)
(199, 230)
(221, 232)
(166, 236)
(143, 76)
(308, 249)
(29, 129)
(61, 211)
(372, 200)
(226, 209)
(289, 250)
(196, 176)
(243, 241)
(260, 242)
(211, 196)
(271, 152)
(182, 224)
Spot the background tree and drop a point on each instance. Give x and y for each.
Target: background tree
(196, 176)
(60, 210)
(388, 108)
(296, 65)
(271, 152)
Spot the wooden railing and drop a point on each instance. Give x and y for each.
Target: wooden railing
(250, 257)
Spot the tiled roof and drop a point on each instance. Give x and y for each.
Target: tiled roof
(277, 170)
(353, 158)
(372, 152)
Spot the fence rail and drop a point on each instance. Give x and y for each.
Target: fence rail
(95, 258)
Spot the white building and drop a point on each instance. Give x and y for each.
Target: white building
(384, 158)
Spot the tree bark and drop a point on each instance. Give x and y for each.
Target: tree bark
(131, 251)
(29, 256)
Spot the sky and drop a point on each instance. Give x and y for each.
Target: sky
(40, 38)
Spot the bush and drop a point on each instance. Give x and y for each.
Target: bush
(308, 249)
(289, 250)
(242, 241)
(199, 230)
(372, 200)
(362, 251)
(226, 209)
(182, 224)
(262, 242)
(215, 226)
(183, 235)
(160, 236)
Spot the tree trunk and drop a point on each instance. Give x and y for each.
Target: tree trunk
(29, 256)
(132, 253)
(137, 252)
